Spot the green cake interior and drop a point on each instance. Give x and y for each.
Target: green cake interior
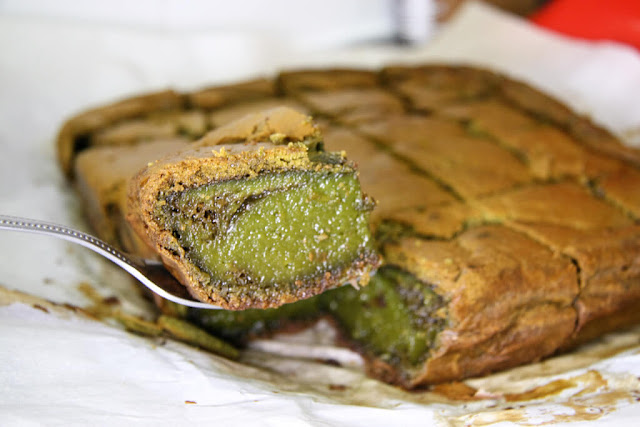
(238, 326)
(273, 230)
(396, 317)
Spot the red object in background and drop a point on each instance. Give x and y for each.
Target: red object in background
(617, 20)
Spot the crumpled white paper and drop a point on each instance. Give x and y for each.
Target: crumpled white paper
(60, 368)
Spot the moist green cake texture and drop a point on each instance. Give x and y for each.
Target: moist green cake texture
(272, 229)
(395, 318)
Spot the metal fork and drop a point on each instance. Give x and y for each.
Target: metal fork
(150, 273)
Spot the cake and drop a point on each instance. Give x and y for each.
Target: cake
(256, 214)
(508, 224)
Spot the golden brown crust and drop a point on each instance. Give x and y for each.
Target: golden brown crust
(221, 96)
(440, 221)
(102, 177)
(439, 76)
(391, 182)
(609, 273)
(451, 153)
(432, 87)
(579, 127)
(280, 124)
(351, 106)
(320, 80)
(565, 203)
(549, 152)
(222, 117)
(99, 118)
(622, 187)
(509, 299)
(472, 166)
(154, 125)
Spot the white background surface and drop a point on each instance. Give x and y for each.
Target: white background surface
(53, 64)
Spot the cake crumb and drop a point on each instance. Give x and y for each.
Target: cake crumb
(277, 138)
(221, 153)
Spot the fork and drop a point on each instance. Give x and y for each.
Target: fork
(150, 273)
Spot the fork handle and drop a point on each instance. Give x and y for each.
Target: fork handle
(132, 265)
(14, 223)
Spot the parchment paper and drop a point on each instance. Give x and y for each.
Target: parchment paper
(61, 367)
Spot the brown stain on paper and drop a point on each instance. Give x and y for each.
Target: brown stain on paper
(591, 379)
(591, 399)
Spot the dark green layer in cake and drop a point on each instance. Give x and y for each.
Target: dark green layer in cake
(271, 231)
(395, 318)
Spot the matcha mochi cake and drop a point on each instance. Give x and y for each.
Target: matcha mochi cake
(508, 225)
(256, 214)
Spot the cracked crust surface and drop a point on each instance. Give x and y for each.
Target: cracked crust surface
(523, 214)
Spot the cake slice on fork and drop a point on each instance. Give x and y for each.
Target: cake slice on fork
(256, 214)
